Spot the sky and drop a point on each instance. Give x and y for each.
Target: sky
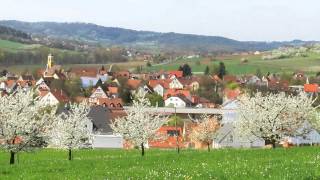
(246, 20)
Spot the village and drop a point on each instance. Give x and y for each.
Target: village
(171, 93)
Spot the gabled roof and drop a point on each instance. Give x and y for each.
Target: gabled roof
(175, 92)
(101, 119)
(177, 74)
(163, 82)
(60, 95)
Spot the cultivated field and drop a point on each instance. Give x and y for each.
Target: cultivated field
(295, 163)
(310, 64)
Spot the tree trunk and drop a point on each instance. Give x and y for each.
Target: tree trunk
(12, 154)
(69, 154)
(208, 147)
(142, 149)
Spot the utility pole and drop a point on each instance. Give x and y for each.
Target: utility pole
(177, 134)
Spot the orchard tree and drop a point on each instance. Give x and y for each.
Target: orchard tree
(72, 129)
(274, 116)
(24, 122)
(206, 130)
(139, 125)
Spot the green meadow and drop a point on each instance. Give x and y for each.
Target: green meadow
(294, 163)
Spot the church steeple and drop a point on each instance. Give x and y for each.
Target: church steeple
(49, 63)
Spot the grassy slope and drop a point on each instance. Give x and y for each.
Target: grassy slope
(234, 65)
(15, 46)
(296, 163)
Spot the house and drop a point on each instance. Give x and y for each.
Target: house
(111, 103)
(228, 137)
(175, 92)
(159, 89)
(175, 84)
(178, 101)
(88, 81)
(54, 97)
(103, 136)
(159, 85)
(96, 95)
(191, 84)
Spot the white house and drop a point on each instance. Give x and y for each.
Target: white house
(175, 84)
(98, 93)
(175, 101)
(178, 102)
(54, 98)
(49, 99)
(159, 89)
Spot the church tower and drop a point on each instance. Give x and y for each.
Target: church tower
(49, 63)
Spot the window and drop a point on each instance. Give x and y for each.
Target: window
(173, 132)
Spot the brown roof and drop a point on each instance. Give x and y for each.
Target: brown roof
(134, 83)
(60, 95)
(85, 71)
(115, 103)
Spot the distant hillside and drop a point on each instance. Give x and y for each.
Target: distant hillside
(7, 33)
(119, 36)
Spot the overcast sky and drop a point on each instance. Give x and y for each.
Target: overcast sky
(266, 20)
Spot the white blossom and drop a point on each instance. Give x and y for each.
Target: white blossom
(24, 122)
(206, 130)
(72, 129)
(139, 125)
(274, 116)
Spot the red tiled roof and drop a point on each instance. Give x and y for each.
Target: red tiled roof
(113, 90)
(175, 92)
(178, 74)
(312, 88)
(163, 82)
(133, 83)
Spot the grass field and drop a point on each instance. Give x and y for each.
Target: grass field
(14, 46)
(310, 64)
(295, 163)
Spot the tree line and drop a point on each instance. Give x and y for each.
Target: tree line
(39, 56)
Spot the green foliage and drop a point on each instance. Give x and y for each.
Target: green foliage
(207, 71)
(186, 69)
(222, 70)
(232, 85)
(155, 100)
(259, 73)
(210, 90)
(295, 163)
(175, 120)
